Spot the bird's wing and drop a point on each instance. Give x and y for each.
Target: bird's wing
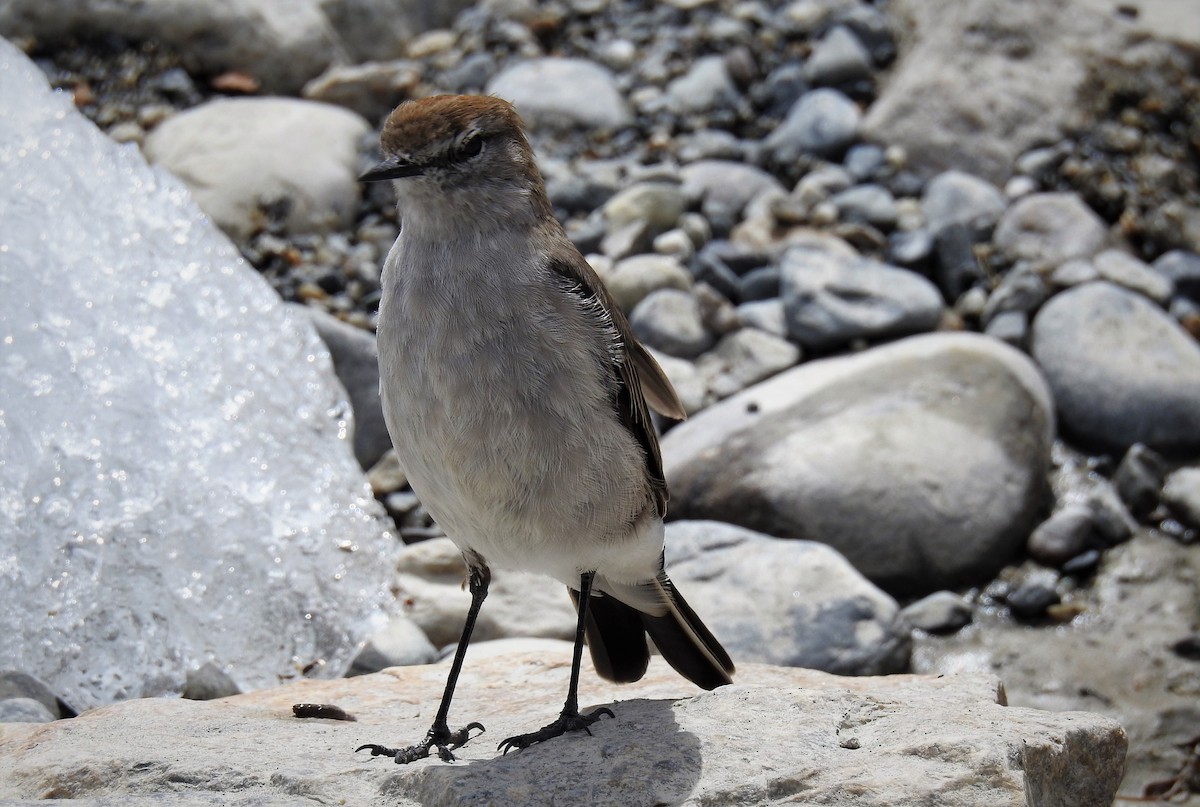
(636, 374)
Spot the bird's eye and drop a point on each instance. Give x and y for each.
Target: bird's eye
(470, 147)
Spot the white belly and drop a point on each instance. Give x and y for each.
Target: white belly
(504, 427)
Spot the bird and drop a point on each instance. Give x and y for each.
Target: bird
(517, 398)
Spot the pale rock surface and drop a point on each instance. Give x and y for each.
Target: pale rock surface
(979, 82)
(551, 91)
(1115, 658)
(1050, 229)
(922, 461)
(430, 585)
(176, 480)
(777, 736)
(238, 155)
(794, 603)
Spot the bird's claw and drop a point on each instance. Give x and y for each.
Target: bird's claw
(567, 721)
(440, 739)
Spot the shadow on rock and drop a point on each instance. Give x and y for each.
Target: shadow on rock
(640, 757)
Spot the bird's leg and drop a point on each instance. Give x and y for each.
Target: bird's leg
(440, 738)
(570, 719)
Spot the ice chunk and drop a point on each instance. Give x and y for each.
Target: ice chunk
(177, 483)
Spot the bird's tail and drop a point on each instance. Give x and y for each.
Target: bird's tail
(616, 637)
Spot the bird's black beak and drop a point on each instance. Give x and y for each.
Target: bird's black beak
(394, 167)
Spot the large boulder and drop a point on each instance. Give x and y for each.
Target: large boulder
(923, 462)
(779, 736)
(980, 81)
(176, 479)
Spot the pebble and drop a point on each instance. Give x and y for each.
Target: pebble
(870, 204)
(669, 320)
(705, 86)
(1050, 229)
(1127, 271)
(24, 710)
(839, 58)
(939, 612)
(209, 682)
(1061, 537)
(1031, 598)
(745, 357)
(956, 197)
(1181, 493)
(830, 300)
(1183, 270)
(824, 122)
(632, 279)
(547, 92)
(1139, 479)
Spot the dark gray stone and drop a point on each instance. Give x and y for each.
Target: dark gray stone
(830, 299)
(823, 122)
(1062, 536)
(356, 362)
(1139, 479)
(208, 683)
(939, 612)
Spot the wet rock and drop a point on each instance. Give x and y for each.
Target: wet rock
(1139, 479)
(939, 612)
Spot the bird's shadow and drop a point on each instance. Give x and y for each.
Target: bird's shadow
(640, 757)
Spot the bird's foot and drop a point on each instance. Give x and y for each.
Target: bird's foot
(439, 739)
(567, 721)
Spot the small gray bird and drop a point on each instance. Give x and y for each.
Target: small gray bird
(516, 397)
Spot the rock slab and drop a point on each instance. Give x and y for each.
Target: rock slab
(778, 736)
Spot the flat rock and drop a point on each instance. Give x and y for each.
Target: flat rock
(795, 603)
(778, 736)
(923, 461)
(177, 483)
(548, 92)
(979, 82)
(1110, 659)
(1122, 370)
(830, 299)
(239, 155)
